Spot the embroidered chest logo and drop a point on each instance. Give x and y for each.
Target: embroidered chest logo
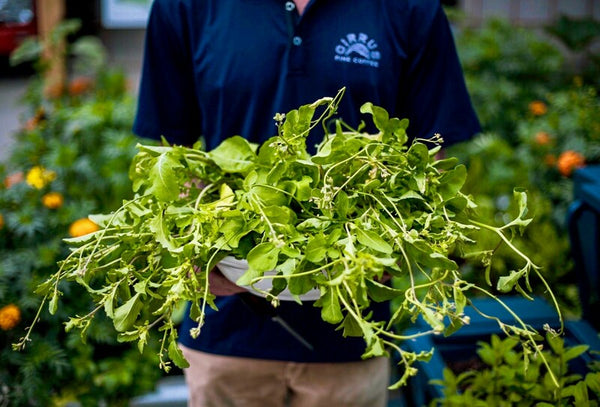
(358, 49)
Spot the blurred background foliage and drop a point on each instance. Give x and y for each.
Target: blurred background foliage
(71, 160)
(541, 120)
(540, 115)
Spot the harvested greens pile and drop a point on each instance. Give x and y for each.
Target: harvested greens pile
(364, 206)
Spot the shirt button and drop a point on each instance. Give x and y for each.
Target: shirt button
(289, 5)
(297, 41)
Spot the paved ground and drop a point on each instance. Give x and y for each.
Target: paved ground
(125, 49)
(11, 89)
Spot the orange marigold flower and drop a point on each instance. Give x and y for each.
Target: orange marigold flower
(34, 121)
(10, 316)
(1, 222)
(13, 179)
(542, 138)
(80, 85)
(538, 108)
(82, 227)
(54, 90)
(52, 200)
(31, 124)
(568, 161)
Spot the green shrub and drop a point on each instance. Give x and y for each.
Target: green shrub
(506, 67)
(508, 377)
(71, 159)
(540, 122)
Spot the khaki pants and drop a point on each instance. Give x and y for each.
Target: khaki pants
(225, 381)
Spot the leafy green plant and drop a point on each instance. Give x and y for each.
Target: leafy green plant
(560, 137)
(364, 205)
(579, 35)
(564, 138)
(494, 166)
(540, 120)
(505, 68)
(507, 378)
(71, 159)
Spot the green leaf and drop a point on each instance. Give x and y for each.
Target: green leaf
(316, 249)
(575, 351)
(418, 156)
(454, 326)
(263, 257)
(459, 299)
(176, 355)
(507, 283)
(592, 380)
(431, 318)
(163, 178)
(452, 181)
(234, 154)
(303, 188)
(410, 194)
(330, 305)
(233, 229)
(394, 130)
(375, 346)
(351, 327)
(109, 302)
(269, 196)
(128, 336)
(313, 224)
(342, 204)
(372, 240)
(521, 197)
(299, 285)
(580, 394)
(281, 215)
(441, 261)
(53, 305)
(247, 278)
(29, 50)
(162, 234)
(380, 292)
(126, 315)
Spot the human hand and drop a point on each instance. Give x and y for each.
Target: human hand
(221, 285)
(384, 278)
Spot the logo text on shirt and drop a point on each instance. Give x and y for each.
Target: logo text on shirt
(358, 49)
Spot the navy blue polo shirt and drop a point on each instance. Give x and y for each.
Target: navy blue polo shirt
(218, 68)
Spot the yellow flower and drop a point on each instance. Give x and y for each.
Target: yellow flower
(10, 315)
(52, 200)
(38, 177)
(538, 108)
(82, 227)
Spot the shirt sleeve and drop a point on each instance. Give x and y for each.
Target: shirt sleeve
(167, 103)
(433, 93)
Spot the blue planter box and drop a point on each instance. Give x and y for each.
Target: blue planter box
(462, 345)
(584, 234)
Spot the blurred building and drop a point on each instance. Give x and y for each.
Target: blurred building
(528, 12)
(97, 16)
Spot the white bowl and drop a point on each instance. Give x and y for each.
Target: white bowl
(233, 269)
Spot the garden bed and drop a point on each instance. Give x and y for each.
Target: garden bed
(459, 352)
